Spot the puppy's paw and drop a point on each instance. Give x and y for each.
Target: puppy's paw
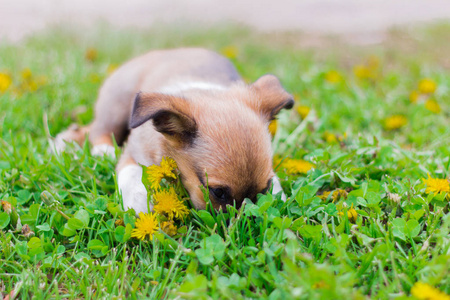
(73, 135)
(134, 194)
(277, 188)
(104, 149)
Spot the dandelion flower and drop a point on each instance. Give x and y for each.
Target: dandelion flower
(427, 86)
(26, 74)
(413, 96)
(362, 72)
(91, 54)
(423, 291)
(5, 82)
(230, 51)
(168, 166)
(156, 173)
(119, 222)
(296, 166)
(336, 195)
(433, 106)
(352, 214)
(154, 176)
(303, 111)
(395, 122)
(333, 76)
(329, 137)
(273, 127)
(145, 225)
(436, 185)
(167, 203)
(169, 228)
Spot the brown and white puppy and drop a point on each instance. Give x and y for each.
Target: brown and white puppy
(193, 106)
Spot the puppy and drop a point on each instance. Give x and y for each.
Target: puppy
(191, 105)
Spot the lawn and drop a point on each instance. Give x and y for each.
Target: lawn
(363, 158)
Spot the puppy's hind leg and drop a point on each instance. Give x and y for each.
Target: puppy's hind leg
(72, 134)
(112, 112)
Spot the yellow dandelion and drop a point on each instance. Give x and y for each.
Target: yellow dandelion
(433, 106)
(333, 76)
(324, 195)
(91, 54)
(427, 86)
(413, 96)
(169, 228)
(330, 137)
(154, 176)
(168, 167)
(336, 195)
(436, 185)
(303, 111)
(395, 122)
(147, 224)
(156, 173)
(362, 72)
(231, 51)
(26, 74)
(296, 166)
(119, 222)
(352, 214)
(273, 127)
(423, 291)
(167, 203)
(5, 82)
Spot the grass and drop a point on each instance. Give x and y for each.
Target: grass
(382, 235)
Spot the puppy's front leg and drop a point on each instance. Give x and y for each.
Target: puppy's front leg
(134, 194)
(277, 188)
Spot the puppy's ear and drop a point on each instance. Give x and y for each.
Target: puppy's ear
(170, 115)
(271, 96)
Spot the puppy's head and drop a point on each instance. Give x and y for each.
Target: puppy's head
(219, 139)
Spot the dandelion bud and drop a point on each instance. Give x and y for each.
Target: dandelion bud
(352, 214)
(47, 198)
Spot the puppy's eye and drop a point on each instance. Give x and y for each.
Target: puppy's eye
(219, 193)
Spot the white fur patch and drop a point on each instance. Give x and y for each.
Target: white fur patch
(103, 149)
(183, 86)
(134, 194)
(277, 187)
(58, 145)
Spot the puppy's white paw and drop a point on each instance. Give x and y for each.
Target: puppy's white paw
(59, 145)
(134, 194)
(104, 149)
(277, 188)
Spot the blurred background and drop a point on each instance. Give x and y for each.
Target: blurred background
(359, 66)
(363, 22)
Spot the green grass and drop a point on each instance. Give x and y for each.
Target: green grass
(301, 249)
